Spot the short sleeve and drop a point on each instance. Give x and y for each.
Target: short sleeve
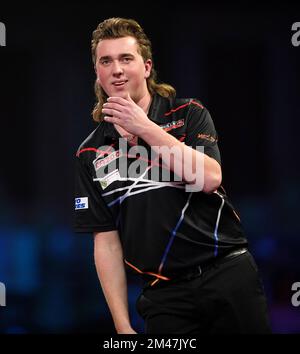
(201, 131)
(91, 212)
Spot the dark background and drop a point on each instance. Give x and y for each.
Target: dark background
(239, 61)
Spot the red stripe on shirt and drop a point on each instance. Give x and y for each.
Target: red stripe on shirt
(101, 152)
(182, 106)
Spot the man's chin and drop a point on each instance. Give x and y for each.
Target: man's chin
(120, 92)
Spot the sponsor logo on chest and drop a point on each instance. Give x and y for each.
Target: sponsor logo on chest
(172, 125)
(98, 163)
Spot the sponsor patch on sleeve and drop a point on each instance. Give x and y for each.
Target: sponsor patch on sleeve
(81, 203)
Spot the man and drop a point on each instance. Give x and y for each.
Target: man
(181, 233)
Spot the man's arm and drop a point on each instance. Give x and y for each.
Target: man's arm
(185, 162)
(109, 263)
(127, 114)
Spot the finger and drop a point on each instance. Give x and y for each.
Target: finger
(111, 112)
(120, 100)
(113, 120)
(112, 105)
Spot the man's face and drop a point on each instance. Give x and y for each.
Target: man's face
(121, 69)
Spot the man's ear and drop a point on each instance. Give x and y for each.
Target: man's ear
(97, 78)
(148, 68)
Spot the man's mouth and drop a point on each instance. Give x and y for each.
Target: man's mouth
(119, 83)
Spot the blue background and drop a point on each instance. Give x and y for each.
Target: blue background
(239, 62)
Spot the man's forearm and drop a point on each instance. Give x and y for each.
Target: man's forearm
(186, 161)
(110, 269)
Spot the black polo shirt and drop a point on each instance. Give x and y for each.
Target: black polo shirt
(163, 228)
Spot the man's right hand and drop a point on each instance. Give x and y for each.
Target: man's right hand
(127, 330)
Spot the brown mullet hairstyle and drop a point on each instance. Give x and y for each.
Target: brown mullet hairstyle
(118, 28)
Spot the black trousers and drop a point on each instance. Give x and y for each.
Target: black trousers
(227, 298)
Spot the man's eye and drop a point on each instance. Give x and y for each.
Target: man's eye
(104, 62)
(127, 59)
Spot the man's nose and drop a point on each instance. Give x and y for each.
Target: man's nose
(117, 68)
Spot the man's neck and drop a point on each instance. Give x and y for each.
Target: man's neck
(145, 102)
